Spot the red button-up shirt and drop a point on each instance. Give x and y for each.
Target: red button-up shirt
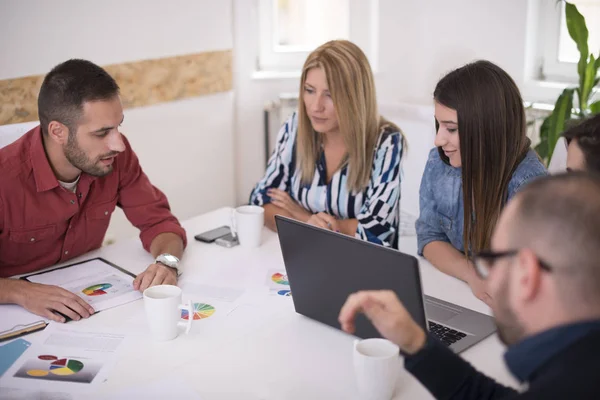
(42, 224)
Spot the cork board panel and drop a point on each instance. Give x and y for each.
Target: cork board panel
(142, 83)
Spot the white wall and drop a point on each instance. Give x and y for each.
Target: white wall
(185, 147)
(251, 96)
(419, 41)
(38, 34)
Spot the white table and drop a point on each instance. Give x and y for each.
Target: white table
(263, 349)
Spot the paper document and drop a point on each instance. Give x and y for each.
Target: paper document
(229, 294)
(65, 359)
(101, 284)
(16, 321)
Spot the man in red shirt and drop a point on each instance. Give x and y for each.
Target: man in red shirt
(60, 183)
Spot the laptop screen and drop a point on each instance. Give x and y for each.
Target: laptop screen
(324, 268)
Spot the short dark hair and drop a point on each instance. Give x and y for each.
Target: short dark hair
(587, 133)
(67, 87)
(558, 217)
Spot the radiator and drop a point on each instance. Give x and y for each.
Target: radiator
(275, 114)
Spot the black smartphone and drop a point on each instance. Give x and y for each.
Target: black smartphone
(213, 234)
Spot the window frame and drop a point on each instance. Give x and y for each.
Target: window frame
(552, 69)
(272, 57)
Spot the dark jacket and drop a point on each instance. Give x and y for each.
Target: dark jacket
(571, 373)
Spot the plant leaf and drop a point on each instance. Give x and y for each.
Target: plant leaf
(588, 84)
(595, 107)
(579, 33)
(557, 119)
(542, 147)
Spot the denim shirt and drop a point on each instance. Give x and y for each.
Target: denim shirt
(441, 201)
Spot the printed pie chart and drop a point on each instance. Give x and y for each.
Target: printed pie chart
(37, 372)
(201, 311)
(280, 279)
(66, 366)
(96, 290)
(285, 292)
(63, 366)
(48, 358)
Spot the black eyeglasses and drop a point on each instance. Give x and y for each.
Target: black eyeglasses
(485, 260)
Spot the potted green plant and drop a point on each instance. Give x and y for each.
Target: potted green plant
(587, 68)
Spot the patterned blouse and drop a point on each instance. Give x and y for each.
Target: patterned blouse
(376, 207)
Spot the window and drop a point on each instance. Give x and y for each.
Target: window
(302, 25)
(291, 29)
(560, 52)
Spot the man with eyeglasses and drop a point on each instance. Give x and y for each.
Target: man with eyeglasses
(543, 273)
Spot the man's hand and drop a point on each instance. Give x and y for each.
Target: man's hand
(156, 274)
(282, 199)
(388, 316)
(325, 221)
(46, 300)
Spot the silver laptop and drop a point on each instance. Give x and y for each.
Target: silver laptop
(324, 268)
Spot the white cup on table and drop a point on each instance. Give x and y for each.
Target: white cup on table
(247, 224)
(163, 304)
(376, 368)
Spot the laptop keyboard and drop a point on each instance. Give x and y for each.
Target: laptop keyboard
(444, 334)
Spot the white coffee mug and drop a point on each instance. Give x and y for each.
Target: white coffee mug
(376, 367)
(163, 304)
(247, 224)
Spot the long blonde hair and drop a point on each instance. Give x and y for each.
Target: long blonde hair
(352, 87)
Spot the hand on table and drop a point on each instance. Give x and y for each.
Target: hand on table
(388, 316)
(325, 221)
(282, 199)
(47, 301)
(478, 287)
(155, 274)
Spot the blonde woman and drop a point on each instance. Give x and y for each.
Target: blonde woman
(336, 163)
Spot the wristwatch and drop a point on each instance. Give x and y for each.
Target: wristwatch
(169, 260)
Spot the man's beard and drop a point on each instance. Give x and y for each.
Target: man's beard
(81, 161)
(510, 330)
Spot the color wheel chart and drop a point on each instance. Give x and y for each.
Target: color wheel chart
(201, 311)
(96, 290)
(280, 279)
(62, 366)
(285, 292)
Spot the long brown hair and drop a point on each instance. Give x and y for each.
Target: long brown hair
(352, 87)
(493, 141)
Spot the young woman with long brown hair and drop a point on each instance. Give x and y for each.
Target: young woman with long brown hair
(482, 158)
(336, 163)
